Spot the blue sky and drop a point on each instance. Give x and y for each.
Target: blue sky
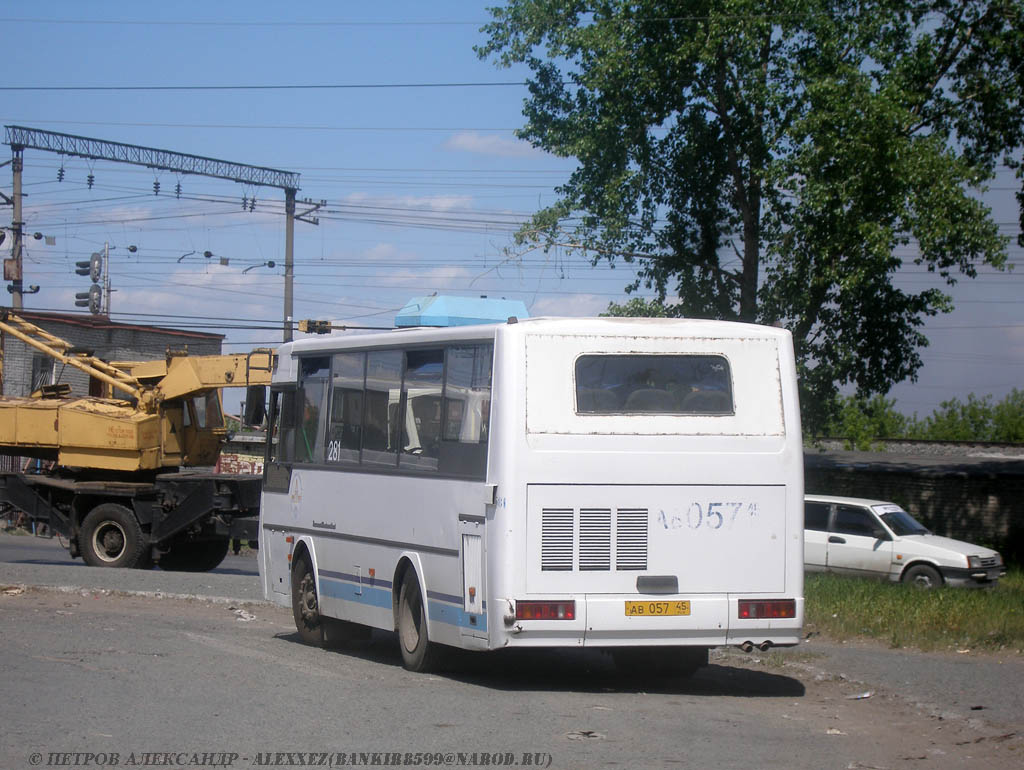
(423, 185)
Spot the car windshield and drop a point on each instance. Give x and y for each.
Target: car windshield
(902, 523)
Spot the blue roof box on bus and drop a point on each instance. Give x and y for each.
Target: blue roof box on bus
(458, 311)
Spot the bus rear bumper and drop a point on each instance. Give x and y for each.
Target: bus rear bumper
(676, 620)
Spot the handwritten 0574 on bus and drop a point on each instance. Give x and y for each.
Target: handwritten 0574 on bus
(710, 516)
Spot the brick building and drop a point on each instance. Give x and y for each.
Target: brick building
(25, 368)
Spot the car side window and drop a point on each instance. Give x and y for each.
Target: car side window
(816, 516)
(851, 520)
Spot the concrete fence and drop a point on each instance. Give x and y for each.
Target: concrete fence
(976, 497)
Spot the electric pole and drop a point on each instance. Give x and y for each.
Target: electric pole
(289, 260)
(12, 266)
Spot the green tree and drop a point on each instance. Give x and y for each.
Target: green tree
(638, 307)
(862, 422)
(767, 161)
(977, 419)
(956, 420)
(1008, 418)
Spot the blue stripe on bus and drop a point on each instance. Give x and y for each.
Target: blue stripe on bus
(455, 616)
(374, 582)
(346, 591)
(443, 608)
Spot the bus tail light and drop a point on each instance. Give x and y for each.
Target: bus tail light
(767, 608)
(546, 610)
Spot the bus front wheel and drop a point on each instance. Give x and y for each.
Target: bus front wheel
(305, 606)
(418, 652)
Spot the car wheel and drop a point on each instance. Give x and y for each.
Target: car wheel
(922, 576)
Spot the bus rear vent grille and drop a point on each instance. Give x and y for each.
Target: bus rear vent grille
(583, 539)
(556, 539)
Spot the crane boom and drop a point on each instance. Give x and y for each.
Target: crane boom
(61, 350)
(159, 414)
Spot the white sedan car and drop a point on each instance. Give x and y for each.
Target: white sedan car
(873, 538)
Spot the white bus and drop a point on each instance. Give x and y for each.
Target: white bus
(634, 485)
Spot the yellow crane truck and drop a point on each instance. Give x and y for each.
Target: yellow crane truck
(127, 477)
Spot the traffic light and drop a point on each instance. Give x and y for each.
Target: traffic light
(92, 299)
(308, 326)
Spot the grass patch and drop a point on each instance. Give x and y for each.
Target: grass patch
(944, 618)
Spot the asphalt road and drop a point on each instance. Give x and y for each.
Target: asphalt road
(107, 662)
(44, 562)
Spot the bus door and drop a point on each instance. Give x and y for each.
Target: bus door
(277, 506)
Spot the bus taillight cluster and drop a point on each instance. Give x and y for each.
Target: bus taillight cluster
(546, 610)
(767, 608)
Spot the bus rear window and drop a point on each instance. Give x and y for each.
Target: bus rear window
(653, 384)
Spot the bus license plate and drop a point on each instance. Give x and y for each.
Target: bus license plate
(646, 609)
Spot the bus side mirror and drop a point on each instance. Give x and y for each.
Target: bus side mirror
(255, 404)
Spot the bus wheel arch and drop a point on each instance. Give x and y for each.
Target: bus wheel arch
(405, 567)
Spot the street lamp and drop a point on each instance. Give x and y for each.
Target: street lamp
(13, 273)
(268, 263)
(206, 254)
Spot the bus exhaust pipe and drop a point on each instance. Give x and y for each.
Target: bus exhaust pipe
(764, 646)
(747, 647)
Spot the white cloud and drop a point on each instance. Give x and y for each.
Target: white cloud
(212, 291)
(447, 278)
(438, 203)
(483, 144)
(381, 252)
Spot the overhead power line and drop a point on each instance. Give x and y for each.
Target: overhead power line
(267, 87)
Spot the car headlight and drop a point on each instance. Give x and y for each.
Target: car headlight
(974, 562)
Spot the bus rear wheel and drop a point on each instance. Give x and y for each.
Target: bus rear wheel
(418, 652)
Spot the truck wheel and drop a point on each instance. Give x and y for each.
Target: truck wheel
(111, 537)
(305, 606)
(418, 652)
(201, 556)
(922, 576)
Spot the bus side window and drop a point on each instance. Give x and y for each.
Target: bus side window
(345, 432)
(282, 436)
(466, 411)
(421, 424)
(310, 429)
(383, 396)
